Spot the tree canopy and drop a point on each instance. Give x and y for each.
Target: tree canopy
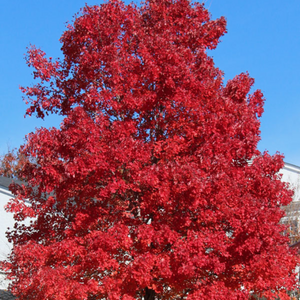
(152, 187)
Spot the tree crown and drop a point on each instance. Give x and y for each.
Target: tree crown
(146, 191)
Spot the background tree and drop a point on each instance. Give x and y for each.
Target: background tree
(291, 219)
(145, 191)
(11, 163)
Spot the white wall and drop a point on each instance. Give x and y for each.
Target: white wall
(291, 174)
(6, 220)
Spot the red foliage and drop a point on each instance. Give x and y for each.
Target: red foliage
(151, 190)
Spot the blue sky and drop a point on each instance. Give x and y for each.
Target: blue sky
(263, 38)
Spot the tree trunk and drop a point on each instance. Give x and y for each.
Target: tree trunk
(149, 294)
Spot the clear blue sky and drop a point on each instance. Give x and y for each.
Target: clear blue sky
(263, 38)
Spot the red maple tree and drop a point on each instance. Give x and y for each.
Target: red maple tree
(146, 190)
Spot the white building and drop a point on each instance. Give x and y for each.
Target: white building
(291, 174)
(6, 220)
